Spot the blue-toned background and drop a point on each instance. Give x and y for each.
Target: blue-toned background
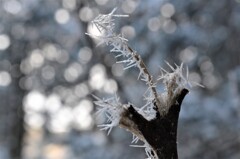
(49, 68)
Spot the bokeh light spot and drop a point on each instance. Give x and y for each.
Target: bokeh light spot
(154, 24)
(34, 102)
(36, 59)
(195, 77)
(97, 76)
(128, 32)
(82, 116)
(26, 83)
(129, 6)
(210, 81)
(12, 6)
(117, 70)
(4, 41)
(55, 151)
(5, 78)
(188, 54)
(34, 120)
(110, 86)
(25, 66)
(169, 26)
(62, 16)
(60, 123)
(85, 55)
(50, 52)
(81, 90)
(86, 14)
(167, 10)
(53, 103)
(69, 4)
(73, 72)
(206, 67)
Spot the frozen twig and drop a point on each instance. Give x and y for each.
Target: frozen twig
(106, 26)
(155, 123)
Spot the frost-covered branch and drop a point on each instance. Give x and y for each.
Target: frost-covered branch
(155, 123)
(106, 26)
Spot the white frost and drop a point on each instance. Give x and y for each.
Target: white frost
(112, 108)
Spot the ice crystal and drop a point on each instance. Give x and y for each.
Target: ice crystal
(148, 150)
(176, 79)
(112, 108)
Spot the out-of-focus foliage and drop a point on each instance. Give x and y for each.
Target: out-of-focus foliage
(49, 68)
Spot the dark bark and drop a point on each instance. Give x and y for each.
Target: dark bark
(161, 132)
(16, 127)
(12, 116)
(15, 111)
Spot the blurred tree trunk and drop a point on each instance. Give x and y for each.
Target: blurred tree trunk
(11, 107)
(15, 120)
(16, 127)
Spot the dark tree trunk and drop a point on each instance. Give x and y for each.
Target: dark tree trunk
(161, 132)
(16, 127)
(11, 106)
(12, 116)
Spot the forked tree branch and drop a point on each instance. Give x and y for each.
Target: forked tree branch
(156, 122)
(160, 132)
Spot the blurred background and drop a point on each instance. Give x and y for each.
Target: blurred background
(49, 68)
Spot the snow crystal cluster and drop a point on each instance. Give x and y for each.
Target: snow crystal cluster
(112, 108)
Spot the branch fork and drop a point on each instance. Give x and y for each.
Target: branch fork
(156, 122)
